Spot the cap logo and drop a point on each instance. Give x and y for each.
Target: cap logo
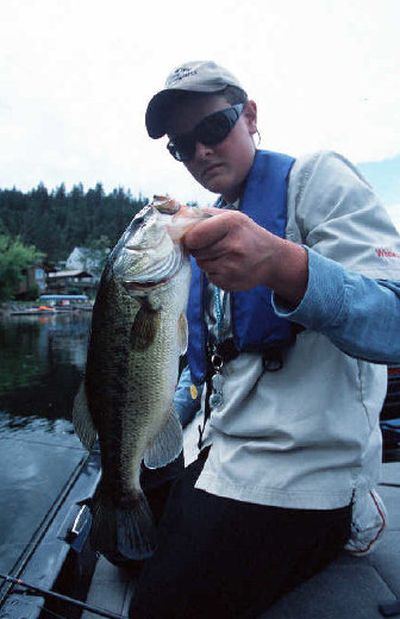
(181, 73)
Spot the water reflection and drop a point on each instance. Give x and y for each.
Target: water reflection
(42, 360)
(41, 366)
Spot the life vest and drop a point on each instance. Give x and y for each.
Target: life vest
(255, 326)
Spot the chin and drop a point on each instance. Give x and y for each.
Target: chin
(229, 193)
(217, 186)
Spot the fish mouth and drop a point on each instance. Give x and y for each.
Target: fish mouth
(155, 275)
(129, 285)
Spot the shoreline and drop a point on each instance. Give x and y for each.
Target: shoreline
(6, 307)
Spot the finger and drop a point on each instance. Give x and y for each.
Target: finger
(212, 210)
(208, 265)
(222, 282)
(207, 233)
(182, 222)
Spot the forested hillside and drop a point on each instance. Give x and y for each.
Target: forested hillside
(57, 221)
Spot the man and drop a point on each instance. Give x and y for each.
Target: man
(290, 444)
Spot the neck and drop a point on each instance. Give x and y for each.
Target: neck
(235, 192)
(232, 196)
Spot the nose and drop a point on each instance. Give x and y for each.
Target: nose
(202, 150)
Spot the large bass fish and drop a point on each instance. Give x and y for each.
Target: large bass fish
(138, 333)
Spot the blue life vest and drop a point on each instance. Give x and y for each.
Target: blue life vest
(255, 326)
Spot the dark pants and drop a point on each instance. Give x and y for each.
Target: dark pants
(223, 558)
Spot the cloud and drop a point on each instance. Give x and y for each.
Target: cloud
(76, 79)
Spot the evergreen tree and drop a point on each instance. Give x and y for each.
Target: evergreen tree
(56, 222)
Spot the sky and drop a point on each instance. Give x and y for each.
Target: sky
(76, 77)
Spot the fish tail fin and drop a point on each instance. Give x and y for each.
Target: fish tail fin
(137, 536)
(124, 532)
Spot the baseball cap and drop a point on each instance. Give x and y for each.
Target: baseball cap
(196, 76)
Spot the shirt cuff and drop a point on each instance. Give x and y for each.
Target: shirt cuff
(324, 297)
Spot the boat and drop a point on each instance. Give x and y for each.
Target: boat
(56, 304)
(67, 302)
(58, 561)
(350, 588)
(41, 310)
(62, 566)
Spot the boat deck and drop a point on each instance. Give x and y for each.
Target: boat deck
(350, 588)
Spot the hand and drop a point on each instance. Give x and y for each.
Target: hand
(238, 254)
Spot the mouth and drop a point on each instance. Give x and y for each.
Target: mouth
(211, 169)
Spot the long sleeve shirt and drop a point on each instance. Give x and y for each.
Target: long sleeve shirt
(360, 315)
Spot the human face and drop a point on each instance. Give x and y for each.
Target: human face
(221, 168)
(210, 131)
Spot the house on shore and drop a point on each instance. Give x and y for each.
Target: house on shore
(79, 273)
(33, 282)
(86, 259)
(70, 282)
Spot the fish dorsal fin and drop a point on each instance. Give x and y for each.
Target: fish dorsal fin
(167, 445)
(82, 419)
(145, 327)
(183, 334)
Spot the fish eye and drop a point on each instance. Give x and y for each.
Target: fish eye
(139, 221)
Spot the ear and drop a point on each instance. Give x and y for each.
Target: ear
(250, 115)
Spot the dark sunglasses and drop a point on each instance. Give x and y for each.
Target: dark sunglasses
(210, 131)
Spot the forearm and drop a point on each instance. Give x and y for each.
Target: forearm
(360, 315)
(287, 271)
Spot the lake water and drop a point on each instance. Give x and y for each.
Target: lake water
(42, 360)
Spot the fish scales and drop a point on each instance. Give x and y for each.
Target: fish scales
(138, 333)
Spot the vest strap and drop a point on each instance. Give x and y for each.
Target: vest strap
(255, 326)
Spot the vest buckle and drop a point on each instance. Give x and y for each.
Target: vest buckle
(217, 362)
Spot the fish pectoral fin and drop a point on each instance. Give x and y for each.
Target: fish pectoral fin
(82, 419)
(166, 446)
(183, 334)
(145, 327)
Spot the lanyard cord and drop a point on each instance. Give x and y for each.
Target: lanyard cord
(219, 311)
(218, 353)
(215, 355)
(214, 361)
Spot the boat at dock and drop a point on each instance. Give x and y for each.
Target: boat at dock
(55, 303)
(34, 311)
